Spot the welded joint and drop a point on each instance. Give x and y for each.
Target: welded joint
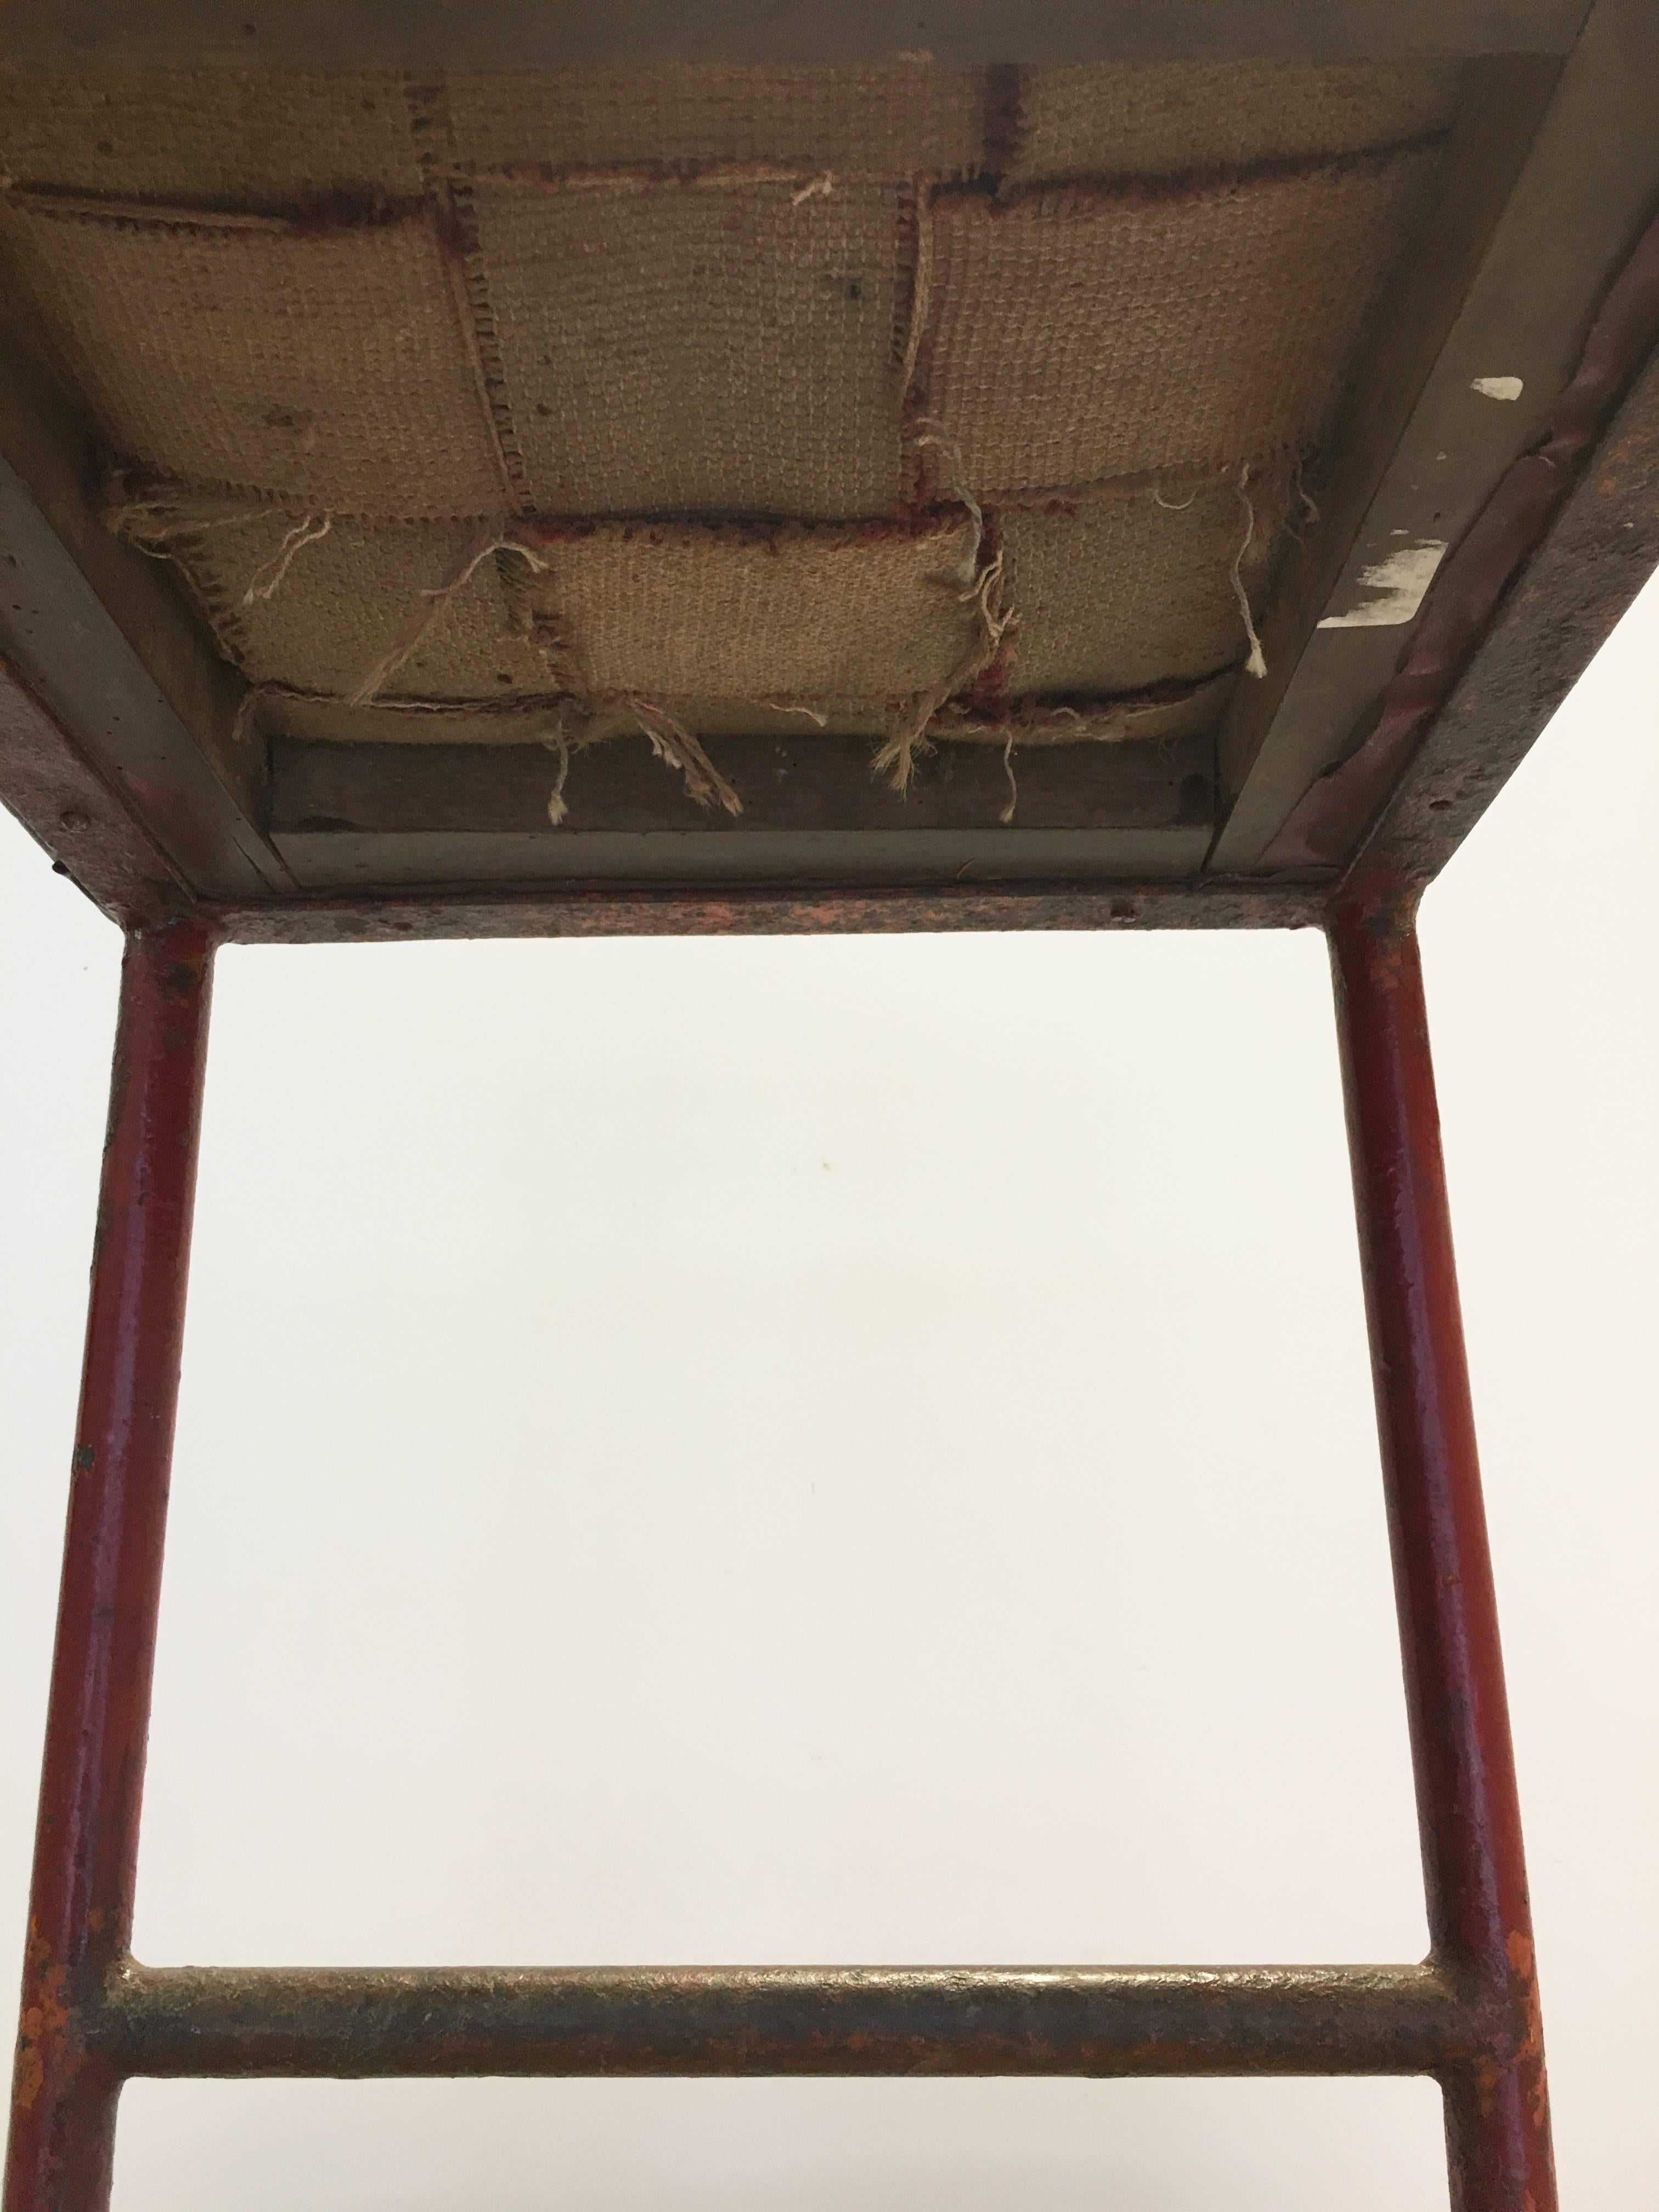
(1380, 902)
(1506, 2025)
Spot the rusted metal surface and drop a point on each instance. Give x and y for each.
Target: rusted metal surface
(1470, 2016)
(787, 2019)
(89, 835)
(1602, 551)
(809, 911)
(1328, 823)
(98, 1715)
(77, 658)
(1468, 1811)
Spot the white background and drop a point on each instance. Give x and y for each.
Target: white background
(859, 1448)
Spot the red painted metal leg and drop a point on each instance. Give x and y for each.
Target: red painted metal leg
(62, 2126)
(1498, 2130)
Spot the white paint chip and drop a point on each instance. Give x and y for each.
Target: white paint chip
(1399, 584)
(1498, 387)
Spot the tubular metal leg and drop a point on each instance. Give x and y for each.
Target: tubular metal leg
(63, 2131)
(1470, 2016)
(1498, 2131)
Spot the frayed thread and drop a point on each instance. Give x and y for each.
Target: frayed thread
(1007, 813)
(242, 728)
(922, 283)
(152, 524)
(897, 759)
(1257, 663)
(818, 188)
(673, 743)
(436, 601)
(789, 707)
(929, 431)
(267, 580)
(556, 742)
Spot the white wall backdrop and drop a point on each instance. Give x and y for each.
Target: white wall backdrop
(858, 1449)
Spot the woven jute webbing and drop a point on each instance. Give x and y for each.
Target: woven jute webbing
(325, 364)
(898, 119)
(261, 140)
(1079, 334)
(745, 614)
(811, 398)
(1112, 595)
(323, 619)
(1135, 586)
(716, 347)
(1179, 119)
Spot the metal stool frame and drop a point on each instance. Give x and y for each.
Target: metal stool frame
(92, 2016)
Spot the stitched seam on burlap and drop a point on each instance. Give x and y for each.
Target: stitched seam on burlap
(185, 548)
(482, 332)
(431, 132)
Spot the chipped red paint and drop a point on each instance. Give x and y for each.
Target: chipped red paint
(1468, 1811)
(86, 1845)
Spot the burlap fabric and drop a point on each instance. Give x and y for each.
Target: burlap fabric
(711, 347)
(901, 119)
(1135, 586)
(1181, 119)
(211, 138)
(321, 364)
(1110, 601)
(751, 615)
(800, 383)
(320, 621)
(1079, 334)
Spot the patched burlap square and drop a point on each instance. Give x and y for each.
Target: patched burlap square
(693, 348)
(705, 612)
(1096, 119)
(322, 364)
(1077, 335)
(1135, 586)
(893, 119)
